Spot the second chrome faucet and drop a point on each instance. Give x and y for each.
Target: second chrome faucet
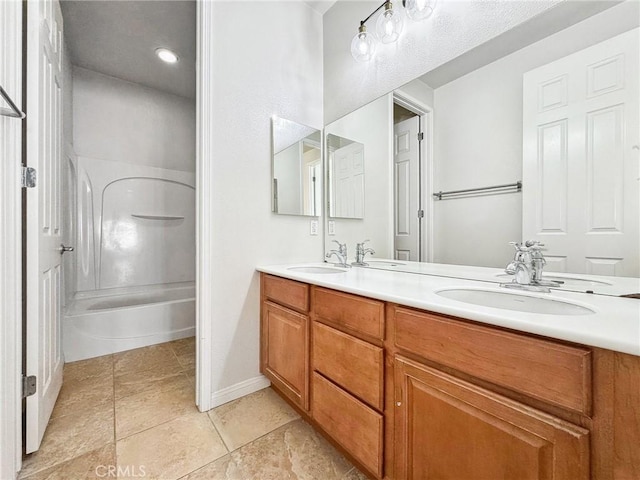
(360, 254)
(526, 268)
(343, 258)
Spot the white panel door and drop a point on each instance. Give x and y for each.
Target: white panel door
(348, 181)
(43, 216)
(581, 141)
(406, 189)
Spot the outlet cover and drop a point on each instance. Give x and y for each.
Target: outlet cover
(314, 227)
(332, 227)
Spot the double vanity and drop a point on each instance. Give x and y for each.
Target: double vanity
(430, 376)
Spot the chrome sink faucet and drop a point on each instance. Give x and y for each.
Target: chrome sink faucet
(527, 266)
(341, 254)
(360, 254)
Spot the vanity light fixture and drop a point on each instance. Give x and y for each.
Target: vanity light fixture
(166, 55)
(388, 26)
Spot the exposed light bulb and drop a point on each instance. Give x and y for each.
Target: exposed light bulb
(389, 24)
(363, 45)
(166, 55)
(419, 9)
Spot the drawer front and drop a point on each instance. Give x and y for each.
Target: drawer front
(358, 314)
(355, 365)
(286, 292)
(555, 373)
(351, 423)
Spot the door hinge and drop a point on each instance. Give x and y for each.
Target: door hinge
(28, 385)
(420, 136)
(420, 213)
(29, 177)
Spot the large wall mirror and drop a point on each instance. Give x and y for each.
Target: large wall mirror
(543, 144)
(296, 168)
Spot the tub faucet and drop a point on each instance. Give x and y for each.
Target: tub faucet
(341, 255)
(361, 252)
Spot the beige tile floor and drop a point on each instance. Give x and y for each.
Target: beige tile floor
(132, 415)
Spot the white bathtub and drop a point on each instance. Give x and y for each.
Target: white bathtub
(114, 320)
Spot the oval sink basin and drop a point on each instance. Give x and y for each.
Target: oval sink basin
(316, 269)
(566, 281)
(513, 301)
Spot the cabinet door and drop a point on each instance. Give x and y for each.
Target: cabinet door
(285, 351)
(447, 428)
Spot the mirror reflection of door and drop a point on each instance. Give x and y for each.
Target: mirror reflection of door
(406, 184)
(296, 167)
(311, 174)
(346, 159)
(581, 123)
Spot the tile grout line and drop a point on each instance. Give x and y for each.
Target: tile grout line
(115, 440)
(218, 431)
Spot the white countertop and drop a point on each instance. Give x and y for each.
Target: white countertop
(581, 283)
(614, 325)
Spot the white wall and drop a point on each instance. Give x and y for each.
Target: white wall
(454, 28)
(126, 122)
(478, 142)
(256, 73)
(370, 125)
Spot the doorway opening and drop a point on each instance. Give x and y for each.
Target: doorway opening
(412, 212)
(113, 137)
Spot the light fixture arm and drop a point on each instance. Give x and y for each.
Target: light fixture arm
(362, 22)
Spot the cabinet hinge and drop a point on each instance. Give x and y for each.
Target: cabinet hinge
(28, 177)
(28, 385)
(420, 136)
(420, 213)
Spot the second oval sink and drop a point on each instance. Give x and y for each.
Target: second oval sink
(514, 301)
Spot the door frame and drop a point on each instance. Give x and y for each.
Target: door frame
(205, 203)
(425, 114)
(11, 248)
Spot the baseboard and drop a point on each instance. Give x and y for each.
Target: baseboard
(239, 390)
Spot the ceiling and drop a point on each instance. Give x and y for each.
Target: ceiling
(119, 38)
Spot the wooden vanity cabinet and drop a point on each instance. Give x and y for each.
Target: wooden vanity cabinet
(284, 337)
(410, 394)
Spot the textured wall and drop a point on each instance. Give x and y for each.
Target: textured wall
(256, 73)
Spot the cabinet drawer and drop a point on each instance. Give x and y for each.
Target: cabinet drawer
(355, 365)
(286, 292)
(358, 314)
(351, 423)
(555, 373)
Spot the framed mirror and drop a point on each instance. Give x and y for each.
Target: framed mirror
(541, 144)
(296, 168)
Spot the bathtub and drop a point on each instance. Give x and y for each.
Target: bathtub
(113, 320)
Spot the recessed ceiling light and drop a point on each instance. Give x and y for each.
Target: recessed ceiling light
(166, 55)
